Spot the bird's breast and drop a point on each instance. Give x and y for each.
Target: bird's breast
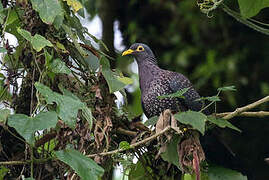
(153, 104)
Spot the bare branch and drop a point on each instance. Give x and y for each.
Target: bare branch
(35, 161)
(126, 132)
(134, 144)
(246, 108)
(259, 114)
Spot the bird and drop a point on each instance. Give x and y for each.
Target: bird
(155, 81)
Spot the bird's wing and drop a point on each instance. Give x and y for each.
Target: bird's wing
(179, 82)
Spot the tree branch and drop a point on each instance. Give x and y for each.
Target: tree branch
(246, 108)
(35, 161)
(259, 114)
(132, 145)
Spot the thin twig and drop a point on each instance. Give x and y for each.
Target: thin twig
(246, 108)
(259, 114)
(35, 161)
(126, 132)
(132, 145)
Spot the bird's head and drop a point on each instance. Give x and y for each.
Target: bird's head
(141, 52)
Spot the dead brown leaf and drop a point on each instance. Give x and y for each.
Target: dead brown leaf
(191, 153)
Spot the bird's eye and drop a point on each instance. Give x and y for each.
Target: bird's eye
(140, 48)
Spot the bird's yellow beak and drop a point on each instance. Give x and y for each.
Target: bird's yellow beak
(129, 51)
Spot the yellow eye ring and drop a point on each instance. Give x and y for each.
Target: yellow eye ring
(140, 48)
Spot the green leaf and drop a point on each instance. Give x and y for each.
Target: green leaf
(26, 34)
(27, 126)
(124, 145)
(249, 8)
(20, 123)
(13, 16)
(58, 66)
(58, 21)
(39, 42)
(178, 94)
(222, 123)
(171, 154)
(3, 172)
(193, 118)
(220, 173)
(47, 9)
(67, 105)
(87, 114)
(125, 80)
(227, 88)
(85, 167)
(151, 121)
(204, 176)
(3, 50)
(209, 98)
(76, 5)
(1, 7)
(3, 115)
(92, 61)
(140, 172)
(113, 83)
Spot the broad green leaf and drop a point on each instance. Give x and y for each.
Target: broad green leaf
(45, 120)
(3, 172)
(48, 146)
(26, 34)
(222, 123)
(3, 50)
(203, 176)
(3, 115)
(221, 173)
(58, 66)
(39, 42)
(113, 83)
(29, 178)
(87, 114)
(125, 80)
(67, 105)
(27, 126)
(178, 94)
(85, 167)
(171, 155)
(61, 47)
(47, 9)
(92, 61)
(249, 8)
(140, 172)
(124, 145)
(68, 109)
(76, 5)
(227, 88)
(20, 123)
(13, 16)
(193, 118)
(47, 93)
(58, 21)
(151, 121)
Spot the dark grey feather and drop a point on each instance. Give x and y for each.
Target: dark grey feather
(155, 82)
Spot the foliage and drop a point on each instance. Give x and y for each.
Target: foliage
(85, 167)
(58, 89)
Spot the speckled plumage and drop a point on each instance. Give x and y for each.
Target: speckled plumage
(155, 82)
